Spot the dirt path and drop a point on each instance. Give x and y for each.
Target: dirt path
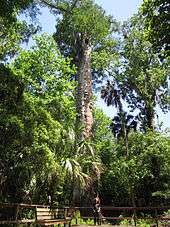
(104, 225)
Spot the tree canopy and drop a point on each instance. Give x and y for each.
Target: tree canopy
(156, 13)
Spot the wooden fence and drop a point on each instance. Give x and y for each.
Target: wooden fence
(112, 214)
(26, 212)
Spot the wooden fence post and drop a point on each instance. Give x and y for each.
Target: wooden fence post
(156, 214)
(134, 217)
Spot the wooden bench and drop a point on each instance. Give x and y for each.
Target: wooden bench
(47, 216)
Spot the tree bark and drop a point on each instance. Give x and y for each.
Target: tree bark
(84, 121)
(150, 117)
(123, 123)
(84, 92)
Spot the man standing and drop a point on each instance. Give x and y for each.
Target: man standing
(97, 210)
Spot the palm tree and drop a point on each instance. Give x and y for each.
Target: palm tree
(80, 165)
(130, 123)
(122, 123)
(82, 172)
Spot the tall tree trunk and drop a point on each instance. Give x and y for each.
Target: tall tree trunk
(150, 117)
(84, 101)
(149, 103)
(123, 123)
(84, 92)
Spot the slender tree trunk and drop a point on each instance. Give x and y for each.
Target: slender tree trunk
(150, 117)
(125, 135)
(123, 119)
(150, 103)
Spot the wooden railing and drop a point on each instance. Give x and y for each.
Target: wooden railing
(17, 213)
(109, 213)
(26, 213)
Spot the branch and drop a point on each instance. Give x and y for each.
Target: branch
(73, 5)
(61, 9)
(52, 6)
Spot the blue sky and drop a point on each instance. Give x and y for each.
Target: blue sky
(121, 10)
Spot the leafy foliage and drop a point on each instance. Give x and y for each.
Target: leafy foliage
(33, 127)
(13, 31)
(87, 23)
(145, 82)
(12, 36)
(147, 162)
(156, 14)
(9, 9)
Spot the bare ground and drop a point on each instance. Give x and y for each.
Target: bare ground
(103, 225)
